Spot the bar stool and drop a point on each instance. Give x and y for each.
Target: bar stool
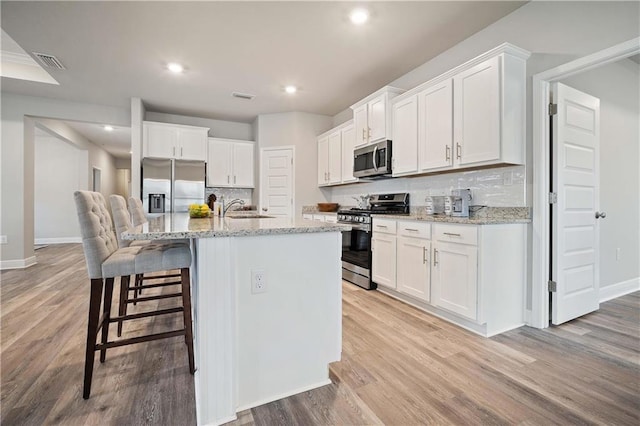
(105, 261)
(137, 211)
(122, 223)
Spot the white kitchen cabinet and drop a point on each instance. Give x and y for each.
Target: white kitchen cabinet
(372, 116)
(435, 126)
(383, 259)
(348, 144)
(455, 278)
(163, 140)
(335, 156)
(405, 136)
(230, 163)
(413, 267)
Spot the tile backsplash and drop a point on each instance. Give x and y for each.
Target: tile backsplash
(496, 187)
(245, 194)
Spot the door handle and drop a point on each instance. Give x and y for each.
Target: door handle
(435, 257)
(369, 133)
(447, 153)
(264, 209)
(234, 179)
(601, 215)
(364, 137)
(424, 256)
(228, 179)
(458, 151)
(375, 154)
(174, 151)
(181, 152)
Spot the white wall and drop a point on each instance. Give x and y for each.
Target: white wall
(617, 85)
(298, 129)
(217, 128)
(17, 164)
(60, 169)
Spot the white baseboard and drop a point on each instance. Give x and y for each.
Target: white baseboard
(284, 395)
(619, 289)
(62, 240)
(18, 263)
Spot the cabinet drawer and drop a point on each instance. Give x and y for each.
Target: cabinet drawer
(463, 234)
(318, 217)
(307, 216)
(415, 229)
(385, 226)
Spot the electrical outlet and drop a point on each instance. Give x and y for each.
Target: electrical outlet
(618, 253)
(3, 239)
(258, 281)
(507, 178)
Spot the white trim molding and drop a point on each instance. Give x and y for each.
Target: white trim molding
(541, 141)
(61, 240)
(18, 263)
(619, 289)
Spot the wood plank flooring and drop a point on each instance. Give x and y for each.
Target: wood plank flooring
(399, 365)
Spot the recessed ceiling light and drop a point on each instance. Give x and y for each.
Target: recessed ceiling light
(108, 128)
(359, 16)
(291, 89)
(175, 67)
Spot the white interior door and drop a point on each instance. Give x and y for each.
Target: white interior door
(574, 232)
(276, 182)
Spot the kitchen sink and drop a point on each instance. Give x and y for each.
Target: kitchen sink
(250, 216)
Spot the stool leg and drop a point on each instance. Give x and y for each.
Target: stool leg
(92, 333)
(124, 295)
(108, 296)
(138, 282)
(186, 303)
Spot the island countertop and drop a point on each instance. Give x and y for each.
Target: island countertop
(179, 226)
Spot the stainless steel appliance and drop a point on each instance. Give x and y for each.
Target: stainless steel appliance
(356, 243)
(171, 185)
(460, 202)
(373, 161)
(434, 204)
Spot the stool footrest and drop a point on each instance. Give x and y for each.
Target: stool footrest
(157, 277)
(160, 296)
(140, 287)
(140, 339)
(146, 314)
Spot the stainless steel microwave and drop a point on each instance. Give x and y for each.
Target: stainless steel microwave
(373, 161)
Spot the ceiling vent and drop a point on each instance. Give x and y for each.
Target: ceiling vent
(243, 95)
(49, 61)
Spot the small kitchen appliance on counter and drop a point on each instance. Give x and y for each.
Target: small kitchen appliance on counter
(434, 204)
(460, 202)
(356, 243)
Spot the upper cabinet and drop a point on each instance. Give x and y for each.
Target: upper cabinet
(372, 116)
(163, 140)
(230, 163)
(335, 155)
(471, 116)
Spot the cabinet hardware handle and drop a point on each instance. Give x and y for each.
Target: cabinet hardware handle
(435, 257)
(458, 151)
(424, 256)
(174, 151)
(234, 179)
(447, 153)
(381, 226)
(228, 179)
(369, 133)
(411, 229)
(181, 152)
(364, 137)
(328, 176)
(452, 234)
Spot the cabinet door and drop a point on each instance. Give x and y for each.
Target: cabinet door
(405, 136)
(383, 264)
(219, 163)
(361, 125)
(243, 165)
(192, 144)
(159, 141)
(413, 275)
(477, 113)
(435, 126)
(323, 161)
(348, 143)
(454, 279)
(377, 118)
(335, 158)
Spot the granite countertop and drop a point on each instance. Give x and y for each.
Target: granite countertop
(484, 216)
(180, 225)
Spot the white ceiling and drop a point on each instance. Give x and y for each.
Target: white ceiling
(116, 50)
(117, 142)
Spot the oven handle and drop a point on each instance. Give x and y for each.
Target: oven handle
(364, 228)
(375, 155)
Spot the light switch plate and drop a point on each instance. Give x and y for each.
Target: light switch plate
(3, 239)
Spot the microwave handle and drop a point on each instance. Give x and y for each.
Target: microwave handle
(375, 155)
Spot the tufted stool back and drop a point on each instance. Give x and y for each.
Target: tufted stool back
(121, 218)
(98, 239)
(137, 211)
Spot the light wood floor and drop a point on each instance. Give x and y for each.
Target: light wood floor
(400, 366)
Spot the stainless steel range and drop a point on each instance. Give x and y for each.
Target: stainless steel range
(356, 244)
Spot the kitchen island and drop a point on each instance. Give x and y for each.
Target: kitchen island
(267, 306)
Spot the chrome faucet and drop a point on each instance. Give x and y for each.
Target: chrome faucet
(236, 201)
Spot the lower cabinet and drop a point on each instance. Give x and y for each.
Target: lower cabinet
(455, 278)
(413, 264)
(383, 255)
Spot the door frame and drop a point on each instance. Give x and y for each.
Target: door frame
(541, 165)
(292, 148)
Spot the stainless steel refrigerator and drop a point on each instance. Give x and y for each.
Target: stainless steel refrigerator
(171, 185)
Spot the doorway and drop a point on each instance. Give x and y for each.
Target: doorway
(542, 213)
(276, 181)
(96, 179)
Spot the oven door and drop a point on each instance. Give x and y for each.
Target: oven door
(356, 255)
